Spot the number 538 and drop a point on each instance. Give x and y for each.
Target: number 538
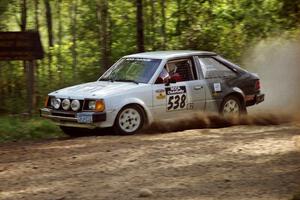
(176, 102)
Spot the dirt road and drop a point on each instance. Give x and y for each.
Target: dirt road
(241, 162)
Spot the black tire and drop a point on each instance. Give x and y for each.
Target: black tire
(130, 120)
(232, 105)
(75, 132)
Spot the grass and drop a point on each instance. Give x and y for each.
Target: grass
(15, 128)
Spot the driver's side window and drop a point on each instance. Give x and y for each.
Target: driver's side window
(177, 70)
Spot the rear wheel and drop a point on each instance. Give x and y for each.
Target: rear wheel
(129, 120)
(232, 105)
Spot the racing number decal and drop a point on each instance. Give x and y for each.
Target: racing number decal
(176, 102)
(176, 98)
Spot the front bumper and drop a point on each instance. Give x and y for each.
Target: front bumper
(80, 118)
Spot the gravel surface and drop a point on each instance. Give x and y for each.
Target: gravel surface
(240, 162)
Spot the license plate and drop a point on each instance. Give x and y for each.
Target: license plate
(87, 119)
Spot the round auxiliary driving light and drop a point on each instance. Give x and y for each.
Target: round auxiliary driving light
(75, 105)
(66, 104)
(55, 103)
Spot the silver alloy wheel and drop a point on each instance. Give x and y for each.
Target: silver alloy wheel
(231, 107)
(129, 120)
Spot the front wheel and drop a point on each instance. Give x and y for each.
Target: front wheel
(232, 105)
(129, 120)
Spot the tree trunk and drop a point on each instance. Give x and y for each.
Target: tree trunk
(28, 66)
(3, 90)
(30, 85)
(36, 15)
(140, 26)
(178, 24)
(50, 36)
(109, 41)
(152, 21)
(74, 37)
(49, 22)
(104, 32)
(23, 15)
(59, 57)
(35, 63)
(163, 24)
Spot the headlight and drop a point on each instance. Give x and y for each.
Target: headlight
(96, 105)
(92, 105)
(66, 104)
(75, 105)
(55, 103)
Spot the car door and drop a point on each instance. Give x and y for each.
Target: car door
(217, 76)
(183, 92)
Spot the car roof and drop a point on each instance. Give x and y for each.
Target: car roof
(169, 54)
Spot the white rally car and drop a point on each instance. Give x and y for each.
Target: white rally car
(144, 87)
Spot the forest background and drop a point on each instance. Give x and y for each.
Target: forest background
(82, 38)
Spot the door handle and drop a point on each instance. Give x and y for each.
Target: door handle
(198, 87)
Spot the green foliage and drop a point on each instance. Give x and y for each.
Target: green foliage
(15, 128)
(226, 27)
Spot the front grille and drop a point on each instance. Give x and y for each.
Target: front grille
(63, 113)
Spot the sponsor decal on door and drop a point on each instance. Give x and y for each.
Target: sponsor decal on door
(176, 98)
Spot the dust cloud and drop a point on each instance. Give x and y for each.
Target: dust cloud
(214, 120)
(277, 62)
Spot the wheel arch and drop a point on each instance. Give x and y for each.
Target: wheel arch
(236, 92)
(137, 102)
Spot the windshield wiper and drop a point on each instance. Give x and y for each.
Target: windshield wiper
(127, 80)
(107, 79)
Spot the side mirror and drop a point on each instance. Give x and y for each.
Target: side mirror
(159, 80)
(163, 77)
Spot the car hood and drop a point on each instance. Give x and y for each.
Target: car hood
(98, 89)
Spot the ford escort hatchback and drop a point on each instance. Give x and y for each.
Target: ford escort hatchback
(144, 87)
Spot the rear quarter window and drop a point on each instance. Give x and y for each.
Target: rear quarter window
(212, 68)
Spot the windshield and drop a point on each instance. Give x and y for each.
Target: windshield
(138, 70)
